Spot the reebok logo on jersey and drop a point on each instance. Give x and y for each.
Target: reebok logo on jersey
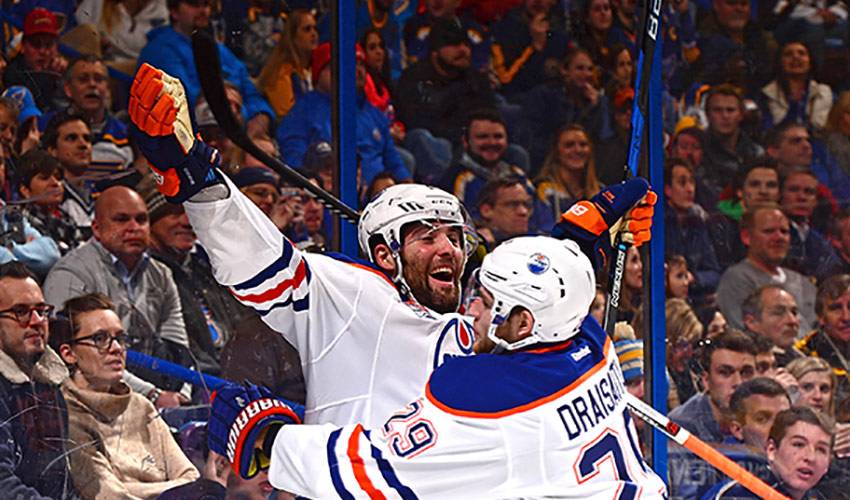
(581, 353)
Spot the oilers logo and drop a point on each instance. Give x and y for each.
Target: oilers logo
(456, 339)
(538, 263)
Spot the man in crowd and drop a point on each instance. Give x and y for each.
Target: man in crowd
(753, 408)
(309, 122)
(68, 139)
(728, 146)
(418, 28)
(170, 48)
(39, 65)
(831, 339)
(504, 208)
(765, 231)
(771, 312)
(841, 235)
(756, 183)
(436, 94)
(86, 84)
(728, 361)
(116, 263)
(33, 437)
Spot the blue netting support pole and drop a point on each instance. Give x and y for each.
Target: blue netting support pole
(344, 117)
(657, 346)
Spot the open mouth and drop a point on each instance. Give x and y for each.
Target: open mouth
(443, 275)
(805, 474)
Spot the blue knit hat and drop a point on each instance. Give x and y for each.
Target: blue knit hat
(249, 176)
(630, 354)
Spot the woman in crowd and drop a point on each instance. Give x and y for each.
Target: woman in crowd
(286, 75)
(677, 277)
(837, 131)
(378, 82)
(684, 330)
(595, 32)
(569, 171)
(619, 72)
(121, 446)
(123, 26)
(816, 382)
(794, 95)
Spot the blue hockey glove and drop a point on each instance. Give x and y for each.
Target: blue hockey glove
(239, 415)
(159, 112)
(626, 209)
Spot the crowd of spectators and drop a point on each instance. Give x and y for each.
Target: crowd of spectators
(517, 107)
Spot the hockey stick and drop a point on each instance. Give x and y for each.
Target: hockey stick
(205, 50)
(650, 27)
(699, 448)
(180, 372)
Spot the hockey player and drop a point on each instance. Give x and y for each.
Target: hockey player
(366, 348)
(545, 418)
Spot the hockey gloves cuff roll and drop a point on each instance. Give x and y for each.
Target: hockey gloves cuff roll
(239, 416)
(159, 111)
(626, 209)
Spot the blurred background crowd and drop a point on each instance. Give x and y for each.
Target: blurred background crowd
(519, 108)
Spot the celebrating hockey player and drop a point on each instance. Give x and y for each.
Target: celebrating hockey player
(369, 334)
(546, 418)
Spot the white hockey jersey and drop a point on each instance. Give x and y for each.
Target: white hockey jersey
(364, 352)
(542, 423)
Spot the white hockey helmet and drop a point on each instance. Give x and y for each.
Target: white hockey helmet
(402, 204)
(551, 278)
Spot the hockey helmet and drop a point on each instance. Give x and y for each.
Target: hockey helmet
(551, 278)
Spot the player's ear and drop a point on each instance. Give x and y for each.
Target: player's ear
(522, 323)
(384, 258)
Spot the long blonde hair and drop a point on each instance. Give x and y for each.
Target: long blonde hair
(551, 164)
(285, 51)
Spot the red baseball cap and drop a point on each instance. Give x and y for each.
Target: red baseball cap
(41, 21)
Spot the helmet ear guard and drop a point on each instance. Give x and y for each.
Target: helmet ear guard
(550, 278)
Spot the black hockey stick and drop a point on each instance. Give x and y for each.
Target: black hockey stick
(205, 50)
(649, 29)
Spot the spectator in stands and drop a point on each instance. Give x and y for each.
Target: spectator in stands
(417, 29)
(612, 153)
(771, 312)
(483, 158)
(766, 365)
(527, 44)
(123, 27)
(40, 182)
(677, 277)
(19, 241)
(116, 263)
(632, 291)
(817, 384)
(728, 146)
(309, 121)
(122, 447)
(794, 96)
(798, 451)
(756, 183)
(86, 84)
(625, 21)
(837, 130)
(260, 185)
(504, 208)
(684, 330)
(685, 229)
(575, 99)
(286, 74)
(792, 146)
(831, 339)
(753, 408)
(210, 311)
(841, 240)
(8, 127)
(766, 234)
(67, 138)
(568, 173)
(630, 356)
(595, 33)
(619, 73)
(33, 437)
(308, 228)
(820, 24)
(27, 136)
(379, 183)
(728, 361)
(381, 14)
(378, 83)
(39, 66)
(689, 143)
(435, 95)
(810, 252)
(213, 134)
(731, 32)
(169, 48)
(5, 185)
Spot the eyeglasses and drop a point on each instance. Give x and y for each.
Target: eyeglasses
(22, 313)
(103, 341)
